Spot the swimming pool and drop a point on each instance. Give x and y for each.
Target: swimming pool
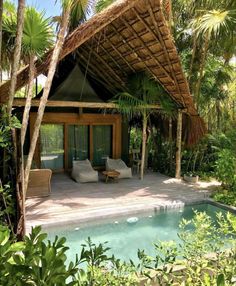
(125, 238)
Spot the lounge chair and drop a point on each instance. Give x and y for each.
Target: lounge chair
(39, 183)
(83, 172)
(119, 166)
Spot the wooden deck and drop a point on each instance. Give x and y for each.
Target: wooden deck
(70, 201)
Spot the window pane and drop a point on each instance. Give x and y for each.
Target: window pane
(102, 144)
(52, 146)
(78, 143)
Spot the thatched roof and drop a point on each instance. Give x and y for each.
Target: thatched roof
(129, 36)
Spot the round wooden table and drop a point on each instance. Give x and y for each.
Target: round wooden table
(114, 175)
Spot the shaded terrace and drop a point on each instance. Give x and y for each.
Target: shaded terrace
(70, 202)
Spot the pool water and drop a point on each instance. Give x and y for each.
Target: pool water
(125, 238)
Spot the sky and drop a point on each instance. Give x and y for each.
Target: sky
(51, 8)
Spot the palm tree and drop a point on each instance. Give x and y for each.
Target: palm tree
(142, 92)
(67, 6)
(37, 39)
(16, 56)
(1, 19)
(212, 25)
(102, 4)
(9, 20)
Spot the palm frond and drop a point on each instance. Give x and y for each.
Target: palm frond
(214, 23)
(37, 33)
(102, 4)
(129, 104)
(143, 91)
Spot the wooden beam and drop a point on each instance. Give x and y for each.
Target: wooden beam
(129, 27)
(109, 69)
(110, 56)
(164, 47)
(178, 144)
(94, 72)
(20, 102)
(132, 49)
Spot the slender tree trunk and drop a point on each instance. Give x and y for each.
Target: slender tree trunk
(144, 140)
(20, 227)
(28, 99)
(1, 11)
(201, 70)
(170, 141)
(218, 114)
(21, 192)
(44, 98)
(193, 55)
(233, 113)
(16, 56)
(178, 145)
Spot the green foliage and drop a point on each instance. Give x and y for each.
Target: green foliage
(41, 263)
(226, 168)
(206, 255)
(7, 207)
(37, 33)
(7, 194)
(203, 256)
(102, 4)
(143, 91)
(225, 196)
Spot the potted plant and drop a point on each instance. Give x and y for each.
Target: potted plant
(191, 177)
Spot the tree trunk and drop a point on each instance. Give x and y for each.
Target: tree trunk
(193, 56)
(144, 140)
(201, 69)
(233, 113)
(218, 114)
(43, 100)
(16, 56)
(178, 145)
(1, 11)
(170, 142)
(20, 195)
(28, 99)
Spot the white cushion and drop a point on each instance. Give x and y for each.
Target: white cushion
(119, 166)
(83, 172)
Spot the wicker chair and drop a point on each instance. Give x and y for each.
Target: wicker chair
(39, 183)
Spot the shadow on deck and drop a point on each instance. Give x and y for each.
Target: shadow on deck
(70, 201)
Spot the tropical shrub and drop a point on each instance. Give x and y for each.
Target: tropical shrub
(7, 169)
(225, 196)
(203, 256)
(36, 261)
(226, 168)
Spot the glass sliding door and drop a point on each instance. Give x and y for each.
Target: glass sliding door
(52, 146)
(102, 144)
(78, 143)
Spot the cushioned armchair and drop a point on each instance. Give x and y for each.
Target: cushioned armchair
(119, 166)
(83, 172)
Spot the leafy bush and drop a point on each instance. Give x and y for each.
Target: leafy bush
(226, 168)
(202, 258)
(41, 263)
(225, 197)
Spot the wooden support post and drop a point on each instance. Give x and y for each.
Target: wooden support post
(178, 145)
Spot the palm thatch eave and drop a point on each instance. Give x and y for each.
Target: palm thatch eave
(129, 36)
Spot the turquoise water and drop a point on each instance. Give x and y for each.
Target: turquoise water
(125, 238)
